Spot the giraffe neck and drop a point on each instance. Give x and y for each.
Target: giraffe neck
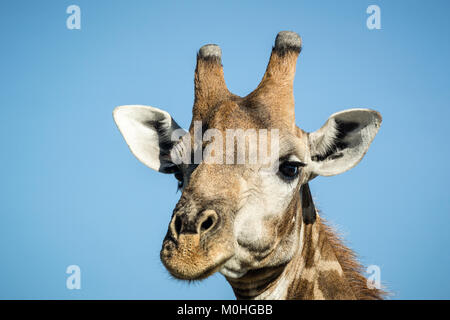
(314, 272)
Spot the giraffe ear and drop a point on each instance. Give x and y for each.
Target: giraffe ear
(150, 134)
(308, 208)
(343, 141)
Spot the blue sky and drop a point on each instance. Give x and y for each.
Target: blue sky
(72, 193)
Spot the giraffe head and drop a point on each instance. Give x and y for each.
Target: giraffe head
(236, 214)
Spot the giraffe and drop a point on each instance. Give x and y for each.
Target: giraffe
(255, 224)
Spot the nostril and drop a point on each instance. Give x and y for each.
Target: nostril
(177, 225)
(206, 224)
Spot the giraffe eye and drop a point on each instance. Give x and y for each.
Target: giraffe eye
(290, 169)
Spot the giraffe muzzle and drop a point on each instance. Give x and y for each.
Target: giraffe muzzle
(191, 250)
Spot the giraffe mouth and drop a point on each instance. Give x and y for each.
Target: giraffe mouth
(189, 272)
(213, 269)
(188, 260)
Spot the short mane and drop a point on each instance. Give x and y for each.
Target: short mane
(353, 270)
